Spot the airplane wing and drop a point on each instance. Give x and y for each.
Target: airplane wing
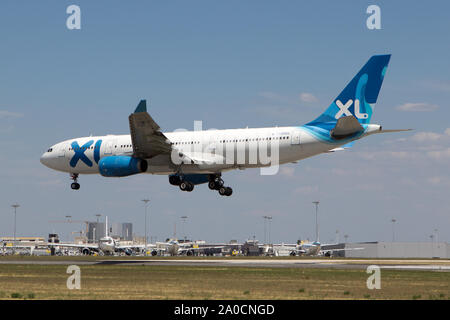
(135, 246)
(148, 140)
(72, 245)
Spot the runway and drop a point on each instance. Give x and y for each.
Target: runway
(291, 263)
(403, 264)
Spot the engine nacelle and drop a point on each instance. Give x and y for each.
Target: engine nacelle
(121, 166)
(86, 251)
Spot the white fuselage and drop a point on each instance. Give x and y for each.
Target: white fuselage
(293, 144)
(107, 245)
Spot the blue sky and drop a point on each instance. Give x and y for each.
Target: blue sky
(230, 64)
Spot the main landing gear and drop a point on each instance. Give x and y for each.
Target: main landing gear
(75, 185)
(183, 184)
(216, 183)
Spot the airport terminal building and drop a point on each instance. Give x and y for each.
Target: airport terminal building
(422, 250)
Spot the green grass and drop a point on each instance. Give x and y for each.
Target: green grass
(213, 282)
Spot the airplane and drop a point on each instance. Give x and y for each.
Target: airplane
(190, 158)
(176, 248)
(311, 249)
(105, 246)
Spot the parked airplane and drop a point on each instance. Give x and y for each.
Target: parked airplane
(311, 249)
(194, 157)
(106, 245)
(176, 248)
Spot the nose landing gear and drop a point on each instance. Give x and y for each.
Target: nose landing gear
(75, 185)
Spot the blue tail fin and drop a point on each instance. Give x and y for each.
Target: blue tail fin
(359, 95)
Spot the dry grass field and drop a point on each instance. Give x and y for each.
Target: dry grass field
(18, 281)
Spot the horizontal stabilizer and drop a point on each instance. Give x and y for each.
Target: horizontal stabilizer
(394, 130)
(345, 127)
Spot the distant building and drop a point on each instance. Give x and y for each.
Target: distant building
(122, 231)
(398, 250)
(95, 231)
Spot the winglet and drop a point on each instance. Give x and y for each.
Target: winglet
(142, 106)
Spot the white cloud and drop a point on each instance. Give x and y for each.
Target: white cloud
(426, 136)
(417, 107)
(440, 154)
(8, 114)
(430, 136)
(308, 97)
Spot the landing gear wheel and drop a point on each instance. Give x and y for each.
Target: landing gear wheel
(222, 191)
(183, 186)
(225, 191)
(212, 185)
(75, 186)
(215, 182)
(186, 186)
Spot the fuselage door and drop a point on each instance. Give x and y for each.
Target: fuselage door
(109, 147)
(295, 137)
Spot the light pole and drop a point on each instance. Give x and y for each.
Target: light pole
(183, 219)
(432, 245)
(15, 206)
(265, 229)
(68, 220)
(393, 229)
(317, 222)
(146, 201)
(346, 237)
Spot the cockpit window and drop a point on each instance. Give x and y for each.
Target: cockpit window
(50, 150)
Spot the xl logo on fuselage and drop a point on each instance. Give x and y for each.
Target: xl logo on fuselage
(343, 110)
(80, 153)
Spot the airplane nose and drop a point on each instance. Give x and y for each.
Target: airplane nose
(44, 159)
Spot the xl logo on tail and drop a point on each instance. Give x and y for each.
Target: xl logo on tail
(343, 110)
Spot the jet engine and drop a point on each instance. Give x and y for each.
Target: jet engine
(121, 166)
